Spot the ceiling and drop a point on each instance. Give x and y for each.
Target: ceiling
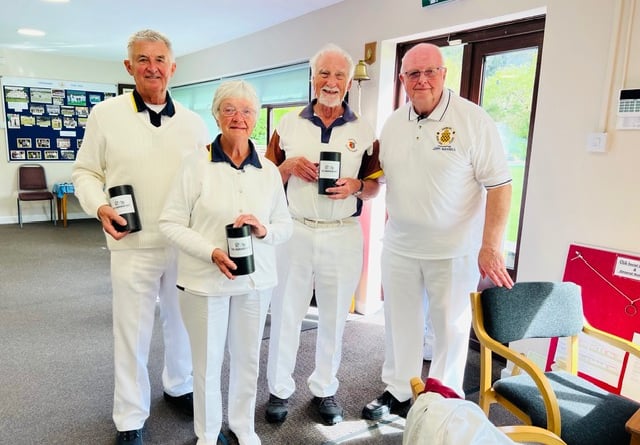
(99, 29)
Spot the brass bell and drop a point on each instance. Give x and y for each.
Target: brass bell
(361, 72)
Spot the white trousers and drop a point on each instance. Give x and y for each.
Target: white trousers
(447, 283)
(328, 259)
(428, 328)
(140, 278)
(209, 321)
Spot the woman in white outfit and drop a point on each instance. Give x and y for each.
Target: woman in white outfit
(228, 184)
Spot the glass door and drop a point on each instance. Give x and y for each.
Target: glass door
(504, 82)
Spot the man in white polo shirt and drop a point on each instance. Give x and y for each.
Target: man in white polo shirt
(325, 252)
(448, 196)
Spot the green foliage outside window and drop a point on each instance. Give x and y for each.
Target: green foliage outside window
(259, 135)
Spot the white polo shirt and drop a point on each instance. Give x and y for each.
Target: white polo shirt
(298, 135)
(437, 170)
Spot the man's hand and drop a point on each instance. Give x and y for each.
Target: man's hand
(107, 215)
(491, 264)
(301, 167)
(344, 188)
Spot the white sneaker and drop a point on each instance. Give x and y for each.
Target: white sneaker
(427, 351)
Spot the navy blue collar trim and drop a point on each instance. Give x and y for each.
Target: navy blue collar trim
(218, 155)
(347, 116)
(168, 110)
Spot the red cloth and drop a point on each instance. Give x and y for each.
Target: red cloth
(434, 385)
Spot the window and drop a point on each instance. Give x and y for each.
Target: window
(270, 115)
(498, 68)
(279, 90)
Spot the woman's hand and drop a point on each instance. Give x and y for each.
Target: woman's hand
(257, 228)
(224, 263)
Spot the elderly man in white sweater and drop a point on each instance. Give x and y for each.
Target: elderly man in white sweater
(140, 139)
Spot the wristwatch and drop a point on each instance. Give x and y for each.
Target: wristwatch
(359, 192)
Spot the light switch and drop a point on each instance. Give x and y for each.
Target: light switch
(597, 142)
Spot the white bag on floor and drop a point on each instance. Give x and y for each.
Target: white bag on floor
(435, 420)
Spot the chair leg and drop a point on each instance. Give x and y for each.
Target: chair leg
(19, 213)
(53, 218)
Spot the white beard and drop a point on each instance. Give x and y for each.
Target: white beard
(329, 101)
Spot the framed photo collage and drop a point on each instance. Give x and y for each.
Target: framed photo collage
(45, 119)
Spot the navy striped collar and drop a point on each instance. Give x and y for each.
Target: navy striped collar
(168, 110)
(347, 116)
(217, 154)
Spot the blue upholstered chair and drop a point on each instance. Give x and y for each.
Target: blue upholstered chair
(571, 407)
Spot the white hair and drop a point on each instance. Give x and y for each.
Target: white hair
(147, 35)
(234, 89)
(331, 48)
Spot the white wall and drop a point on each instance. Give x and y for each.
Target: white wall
(573, 196)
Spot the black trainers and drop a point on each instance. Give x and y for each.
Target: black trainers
(222, 439)
(133, 437)
(329, 409)
(183, 403)
(277, 409)
(384, 405)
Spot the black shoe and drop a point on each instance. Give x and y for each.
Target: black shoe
(222, 440)
(329, 409)
(183, 403)
(277, 409)
(133, 437)
(384, 405)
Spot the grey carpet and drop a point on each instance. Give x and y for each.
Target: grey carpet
(56, 372)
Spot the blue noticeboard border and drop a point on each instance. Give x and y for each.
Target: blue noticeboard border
(432, 2)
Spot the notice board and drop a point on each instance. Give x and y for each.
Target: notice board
(610, 283)
(45, 119)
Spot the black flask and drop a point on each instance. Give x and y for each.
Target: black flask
(122, 199)
(240, 249)
(328, 170)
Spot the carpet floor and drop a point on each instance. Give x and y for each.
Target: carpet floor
(56, 370)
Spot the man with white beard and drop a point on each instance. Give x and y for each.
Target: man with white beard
(326, 249)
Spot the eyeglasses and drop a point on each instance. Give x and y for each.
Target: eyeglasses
(430, 73)
(229, 111)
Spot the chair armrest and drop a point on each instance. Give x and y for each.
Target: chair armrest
(528, 433)
(537, 375)
(417, 386)
(611, 339)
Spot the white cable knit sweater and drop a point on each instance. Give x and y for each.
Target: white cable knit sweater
(120, 146)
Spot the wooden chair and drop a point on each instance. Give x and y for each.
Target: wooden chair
(32, 186)
(517, 433)
(571, 407)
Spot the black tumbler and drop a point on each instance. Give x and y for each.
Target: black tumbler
(121, 198)
(240, 249)
(329, 170)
